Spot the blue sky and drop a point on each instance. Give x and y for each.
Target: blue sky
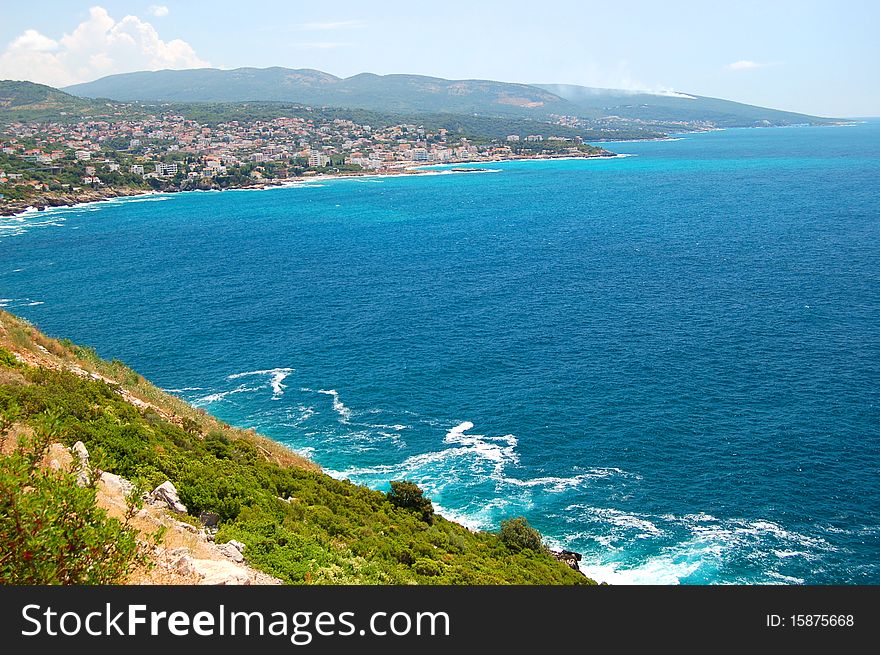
(815, 57)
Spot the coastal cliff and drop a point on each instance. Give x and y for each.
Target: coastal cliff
(168, 494)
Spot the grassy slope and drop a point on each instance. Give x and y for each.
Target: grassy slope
(298, 523)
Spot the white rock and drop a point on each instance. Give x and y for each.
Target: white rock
(81, 464)
(166, 493)
(116, 484)
(237, 544)
(220, 573)
(183, 565)
(231, 552)
(81, 453)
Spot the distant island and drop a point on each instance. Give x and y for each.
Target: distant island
(208, 129)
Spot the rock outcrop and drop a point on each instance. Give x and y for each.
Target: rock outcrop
(569, 558)
(81, 464)
(167, 493)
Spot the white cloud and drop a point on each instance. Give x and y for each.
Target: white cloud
(32, 40)
(159, 11)
(98, 46)
(744, 65)
(340, 25)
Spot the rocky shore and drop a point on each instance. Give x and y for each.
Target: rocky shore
(41, 201)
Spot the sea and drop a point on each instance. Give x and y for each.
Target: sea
(668, 362)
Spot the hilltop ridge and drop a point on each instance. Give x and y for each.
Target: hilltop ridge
(420, 93)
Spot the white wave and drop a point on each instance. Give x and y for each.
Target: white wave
(305, 413)
(276, 382)
(665, 569)
(482, 518)
(785, 554)
(338, 407)
(135, 199)
(34, 303)
(215, 397)
(488, 448)
(785, 579)
(552, 484)
(183, 389)
(760, 529)
(639, 523)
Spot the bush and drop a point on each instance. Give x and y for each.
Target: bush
(518, 535)
(408, 495)
(428, 567)
(52, 530)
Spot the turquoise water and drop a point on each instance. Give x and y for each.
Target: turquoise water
(668, 362)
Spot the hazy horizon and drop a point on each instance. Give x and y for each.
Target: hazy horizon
(804, 57)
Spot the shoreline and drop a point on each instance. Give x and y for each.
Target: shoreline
(94, 196)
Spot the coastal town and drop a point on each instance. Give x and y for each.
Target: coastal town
(56, 163)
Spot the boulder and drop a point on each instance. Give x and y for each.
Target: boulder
(166, 493)
(117, 485)
(214, 572)
(231, 552)
(81, 464)
(209, 519)
(568, 557)
(183, 565)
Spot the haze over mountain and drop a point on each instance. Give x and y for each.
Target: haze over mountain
(417, 93)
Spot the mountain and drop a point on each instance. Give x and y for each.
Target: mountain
(398, 93)
(674, 107)
(26, 101)
(28, 95)
(420, 94)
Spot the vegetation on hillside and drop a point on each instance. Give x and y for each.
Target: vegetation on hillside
(27, 101)
(297, 523)
(51, 528)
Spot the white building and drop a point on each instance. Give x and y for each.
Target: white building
(317, 159)
(137, 169)
(83, 155)
(166, 169)
(513, 137)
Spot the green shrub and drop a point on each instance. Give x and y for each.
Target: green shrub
(518, 535)
(428, 567)
(8, 360)
(52, 530)
(408, 495)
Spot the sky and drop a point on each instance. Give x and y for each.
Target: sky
(808, 56)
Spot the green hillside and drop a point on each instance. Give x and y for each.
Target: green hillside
(297, 523)
(386, 93)
(27, 101)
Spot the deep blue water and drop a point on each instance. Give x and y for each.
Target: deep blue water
(669, 362)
